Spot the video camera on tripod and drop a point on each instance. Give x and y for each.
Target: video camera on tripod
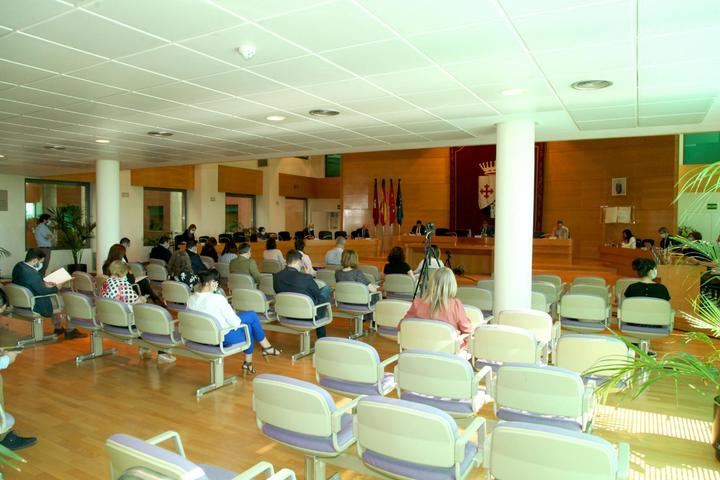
(429, 230)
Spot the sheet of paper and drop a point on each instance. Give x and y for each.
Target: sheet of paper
(624, 214)
(58, 277)
(611, 214)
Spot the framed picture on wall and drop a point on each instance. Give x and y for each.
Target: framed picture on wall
(619, 186)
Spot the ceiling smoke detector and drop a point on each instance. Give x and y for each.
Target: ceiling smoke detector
(160, 134)
(322, 112)
(247, 51)
(58, 148)
(591, 84)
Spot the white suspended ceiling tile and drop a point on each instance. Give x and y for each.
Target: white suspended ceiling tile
(257, 9)
(407, 116)
(284, 100)
(170, 19)
(302, 71)
(526, 104)
(585, 62)
(40, 122)
(18, 14)
(177, 62)
(414, 81)
(402, 139)
(463, 111)
(361, 142)
(687, 106)
(76, 87)
(39, 97)
(5, 85)
(345, 90)
(333, 25)
(608, 124)
(603, 113)
(416, 16)
(521, 8)
(122, 76)
(531, 88)
(431, 126)
(21, 74)
(101, 110)
(682, 119)
(677, 47)
(472, 42)
(224, 45)
(658, 17)
(677, 92)
(380, 130)
(184, 93)
(138, 101)
(378, 57)
(380, 105)
(454, 135)
(239, 83)
(622, 92)
(587, 25)
(234, 106)
(21, 48)
(442, 98)
(508, 71)
(94, 34)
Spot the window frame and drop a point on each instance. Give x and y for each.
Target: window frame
(183, 221)
(254, 208)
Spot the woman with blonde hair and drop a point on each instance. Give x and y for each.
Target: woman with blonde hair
(439, 302)
(349, 271)
(118, 287)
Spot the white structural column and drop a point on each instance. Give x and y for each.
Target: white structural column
(514, 182)
(108, 208)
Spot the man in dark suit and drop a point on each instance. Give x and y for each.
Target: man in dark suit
(292, 280)
(27, 274)
(309, 231)
(363, 232)
(418, 228)
(195, 260)
(161, 251)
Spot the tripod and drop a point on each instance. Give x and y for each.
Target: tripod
(429, 255)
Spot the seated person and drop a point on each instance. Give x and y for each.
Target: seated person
(188, 234)
(125, 242)
(180, 269)
(397, 264)
(487, 230)
(117, 252)
(439, 303)
(665, 240)
(362, 232)
(646, 269)
(334, 256)
(306, 262)
(309, 231)
(195, 260)
(292, 280)
(27, 274)
(161, 251)
(11, 440)
(418, 228)
(561, 232)
(205, 300)
(696, 251)
(244, 264)
(350, 272)
(209, 249)
(262, 234)
(229, 253)
(117, 287)
(435, 261)
(273, 253)
(629, 240)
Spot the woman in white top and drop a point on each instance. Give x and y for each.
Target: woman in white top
(435, 261)
(205, 300)
(628, 239)
(272, 252)
(306, 262)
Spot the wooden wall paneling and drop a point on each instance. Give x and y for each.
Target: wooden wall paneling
(577, 182)
(296, 186)
(327, 187)
(73, 177)
(244, 181)
(181, 177)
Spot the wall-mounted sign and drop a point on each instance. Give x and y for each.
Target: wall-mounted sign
(712, 206)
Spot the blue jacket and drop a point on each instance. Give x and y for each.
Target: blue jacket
(26, 276)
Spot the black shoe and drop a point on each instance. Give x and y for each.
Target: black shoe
(15, 442)
(73, 334)
(59, 331)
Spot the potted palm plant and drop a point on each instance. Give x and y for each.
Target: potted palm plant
(74, 232)
(7, 458)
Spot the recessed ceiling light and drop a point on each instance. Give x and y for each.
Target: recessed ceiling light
(160, 134)
(2, 156)
(275, 118)
(101, 140)
(511, 92)
(322, 112)
(591, 84)
(54, 147)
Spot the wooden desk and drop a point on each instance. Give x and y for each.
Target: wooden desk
(476, 255)
(621, 259)
(683, 283)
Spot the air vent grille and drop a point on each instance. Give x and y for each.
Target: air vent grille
(262, 162)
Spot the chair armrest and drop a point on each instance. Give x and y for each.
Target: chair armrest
(589, 397)
(224, 332)
(555, 335)
(317, 307)
(482, 374)
(388, 361)
(477, 427)
(260, 468)
(337, 414)
(169, 435)
(284, 474)
(623, 461)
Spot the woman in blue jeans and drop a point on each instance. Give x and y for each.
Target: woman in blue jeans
(205, 300)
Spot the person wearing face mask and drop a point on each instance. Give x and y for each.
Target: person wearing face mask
(195, 260)
(189, 233)
(27, 274)
(665, 240)
(646, 269)
(161, 251)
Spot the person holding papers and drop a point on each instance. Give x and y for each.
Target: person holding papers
(27, 274)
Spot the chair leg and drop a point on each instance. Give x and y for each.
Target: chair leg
(38, 336)
(358, 330)
(217, 378)
(305, 346)
(96, 349)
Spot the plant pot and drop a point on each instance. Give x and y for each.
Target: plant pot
(716, 427)
(77, 267)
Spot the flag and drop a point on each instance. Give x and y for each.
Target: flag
(376, 211)
(383, 205)
(399, 209)
(391, 204)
